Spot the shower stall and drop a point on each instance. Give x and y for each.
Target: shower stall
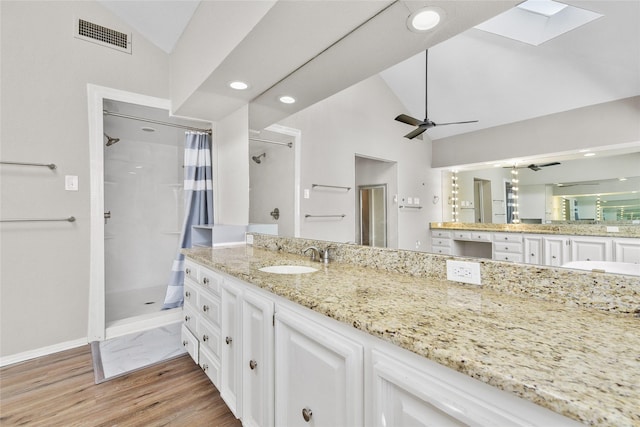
(144, 210)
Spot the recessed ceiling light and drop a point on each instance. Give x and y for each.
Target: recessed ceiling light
(148, 129)
(425, 19)
(238, 85)
(589, 154)
(287, 99)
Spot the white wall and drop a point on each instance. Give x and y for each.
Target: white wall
(231, 147)
(359, 120)
(44, 267)
(609, 123)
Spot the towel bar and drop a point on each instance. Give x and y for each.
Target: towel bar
(331, 186)
(325, 216)
(51, 166)
(69, 219)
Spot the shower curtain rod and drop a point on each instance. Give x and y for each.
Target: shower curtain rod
(288, 144)
(158, 122)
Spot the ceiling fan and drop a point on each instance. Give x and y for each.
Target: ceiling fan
(423, 125)
(533, 166)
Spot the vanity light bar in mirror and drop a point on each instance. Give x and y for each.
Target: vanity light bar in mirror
(515, 215)
(454, 197)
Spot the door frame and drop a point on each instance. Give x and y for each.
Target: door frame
(96, 328)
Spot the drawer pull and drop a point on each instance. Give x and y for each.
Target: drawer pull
(187, 294)
(205, 280)
(253, 364)
(205, 308)
(188, 271)
(204, 367)
(306, 414)
(205, 338)
(228, 340)
(184, 343)
(187, 318)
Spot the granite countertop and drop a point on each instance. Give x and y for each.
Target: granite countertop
(624, 230)
(581, 363)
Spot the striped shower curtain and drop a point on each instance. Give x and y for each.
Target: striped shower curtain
(198, 206)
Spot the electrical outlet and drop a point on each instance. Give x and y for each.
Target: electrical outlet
(462, 271)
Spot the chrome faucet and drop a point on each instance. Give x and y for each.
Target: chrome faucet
(314, 251)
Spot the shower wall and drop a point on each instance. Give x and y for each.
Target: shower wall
(143, 191)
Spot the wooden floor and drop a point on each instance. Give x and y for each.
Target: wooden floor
(59, 390)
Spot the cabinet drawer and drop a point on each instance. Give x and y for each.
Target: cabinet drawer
(209, 307)
(210, 280)
(442, 250)
(505, 256)
(441, 234)
(515, 248)
(441, 242)
(210, 365)
(190, 318)
(507, 237)
(463, 235)
(190, 295)
(191, 271)
(209, 337)
(484, 237)
(190, 342)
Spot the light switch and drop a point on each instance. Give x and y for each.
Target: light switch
(416, 200)
(306, 193)
(409, 200)
(71, 182)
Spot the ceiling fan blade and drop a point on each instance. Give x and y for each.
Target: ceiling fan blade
(455, 123)
(415, 132)
(548, 164)
(408, 120)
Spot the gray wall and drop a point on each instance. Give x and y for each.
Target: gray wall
(44, 267)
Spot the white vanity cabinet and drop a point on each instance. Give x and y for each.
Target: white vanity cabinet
(257, 360)
(231, 352)
(319, 374)
(533, 249)
(441, 242)
(507, 247)
(556, 250)
(589, 248)
(626, 250)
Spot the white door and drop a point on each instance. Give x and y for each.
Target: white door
(231, 330)
(533, 249)
(627, 250)
(590, 249)
(556, 251)
(318, 376)
(257, 361)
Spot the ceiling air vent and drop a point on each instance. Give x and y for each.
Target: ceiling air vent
(104, 36)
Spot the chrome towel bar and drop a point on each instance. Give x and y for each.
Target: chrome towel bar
(69, 219)
(51, 166)
(330, 186)
(325, 216)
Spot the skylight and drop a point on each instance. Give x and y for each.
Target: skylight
(537, 21)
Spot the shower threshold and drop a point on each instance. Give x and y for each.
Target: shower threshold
(143, 322)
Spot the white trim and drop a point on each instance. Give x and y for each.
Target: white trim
(43, 351)
(297, 134)
(144, 322)
(95, 98)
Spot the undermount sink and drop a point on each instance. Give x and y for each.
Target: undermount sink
(288, 269)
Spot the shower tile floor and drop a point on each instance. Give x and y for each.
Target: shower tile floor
(126, 304)
(121, 355)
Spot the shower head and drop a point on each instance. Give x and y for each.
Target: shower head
(257, 158)
(111, 141)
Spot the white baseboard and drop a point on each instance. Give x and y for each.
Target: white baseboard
(43, 351)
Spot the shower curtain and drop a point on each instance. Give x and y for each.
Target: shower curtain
(198, 200)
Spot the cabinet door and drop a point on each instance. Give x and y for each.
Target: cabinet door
(590, 249)
(556, 251)
(318, 374)
(230, 333)
(533, 249)
(257, 360)
(627, 250)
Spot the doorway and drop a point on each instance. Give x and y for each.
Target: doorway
(482, 200)
(373, 215)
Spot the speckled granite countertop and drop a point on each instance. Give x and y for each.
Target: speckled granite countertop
(564, 229)
(581, 363)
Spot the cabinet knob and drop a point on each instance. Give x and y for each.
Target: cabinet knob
(205, 280)
(553, 256)
(186, 318)
(228, 340)
(306, 414)
(187, 294)
(506, 238)
(533, 254)
(204, 367)
(184, 343)
(188, 271)
(205, 337)
(205, 308)
(253, 364)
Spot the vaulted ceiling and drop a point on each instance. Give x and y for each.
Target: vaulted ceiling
(314, 49)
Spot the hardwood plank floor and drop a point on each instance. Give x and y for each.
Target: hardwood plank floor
(59, 390)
